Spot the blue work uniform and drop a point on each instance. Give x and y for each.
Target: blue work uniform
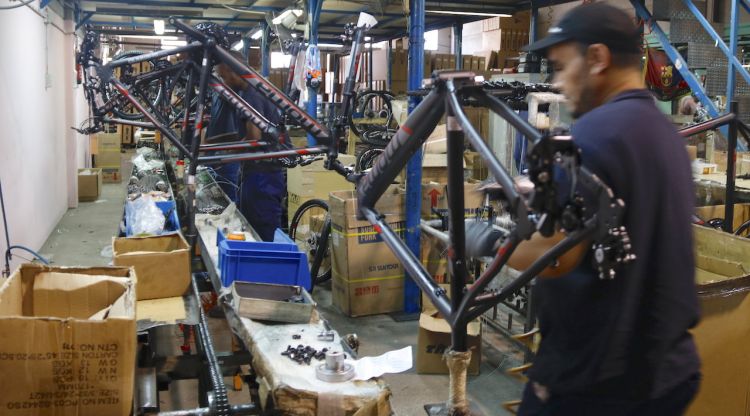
(224, 123)
(263, 184)
(623, 346)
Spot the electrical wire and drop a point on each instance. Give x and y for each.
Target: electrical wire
(28, 250)
(243, 10)
(6, 271)
(15, 6)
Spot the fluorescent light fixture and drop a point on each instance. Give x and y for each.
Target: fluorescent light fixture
(330, 45)
(368, 38)
(158, 26)
(366, 20)
(257, 35)
(468, 13)
(174, 42)
(280, 18)
(239, 45)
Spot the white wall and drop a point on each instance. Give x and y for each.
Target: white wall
(39, 153)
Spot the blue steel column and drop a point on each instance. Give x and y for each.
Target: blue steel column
(414, 167)
(246, 47)
(458, 33)
(389, 69)
(265, 51)
(719, 41)
(676, 58)
(532, 23)
(313, 17)
(734, 25)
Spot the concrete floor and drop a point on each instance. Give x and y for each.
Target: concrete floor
(84, 235)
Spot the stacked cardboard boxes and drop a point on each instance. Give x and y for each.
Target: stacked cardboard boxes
(367, 277)
(108, 157)
(314, 181)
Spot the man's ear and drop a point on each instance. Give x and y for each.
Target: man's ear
(598, 58)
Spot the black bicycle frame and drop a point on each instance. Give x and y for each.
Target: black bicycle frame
(467, 304)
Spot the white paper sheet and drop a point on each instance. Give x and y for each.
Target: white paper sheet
(396, 361)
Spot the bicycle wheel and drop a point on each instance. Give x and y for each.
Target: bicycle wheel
(367, 158)
(149, 92)
(310, 229)
(372, 104)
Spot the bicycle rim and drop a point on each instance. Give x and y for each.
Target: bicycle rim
(307, 229)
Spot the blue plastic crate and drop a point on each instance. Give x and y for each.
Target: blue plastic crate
(260, 262)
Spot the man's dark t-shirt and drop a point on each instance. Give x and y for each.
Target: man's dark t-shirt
(273, 115)
(627, 337)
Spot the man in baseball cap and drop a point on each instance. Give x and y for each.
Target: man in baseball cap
(620, 346)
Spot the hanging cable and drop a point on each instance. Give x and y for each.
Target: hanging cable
(6, 271)
(15, 6)
(8, 255)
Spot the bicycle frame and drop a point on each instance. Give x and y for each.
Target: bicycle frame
(465, 305)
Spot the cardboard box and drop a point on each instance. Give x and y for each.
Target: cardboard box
(720, 159)
(476, 166)
(466, 62)
(741, 213)
(67, 341)
(435, 167)
(434, 340)
(108, 142)
(89, 184)
(111, 175)
(162, 263)
(367, 277)
(126, 134)
(435, 197)
(314, 181)
(433, 256)
(108, 160)
(722, 336)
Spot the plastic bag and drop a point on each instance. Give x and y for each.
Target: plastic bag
(142, 164)
(143, 216)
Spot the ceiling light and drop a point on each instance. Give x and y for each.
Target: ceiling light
(158, 26)
(468, 13)
(368, 38)
(257, 35)
(239, 45)
(330, 45)
(280, 18)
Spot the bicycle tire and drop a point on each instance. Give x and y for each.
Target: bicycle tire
(366, 159)
(121, 108)
(310, 244)
(742, 229)
(400, 149)
(358, 105)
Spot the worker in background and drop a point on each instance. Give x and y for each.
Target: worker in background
(262, 183)
(223, 129)
(620, 346)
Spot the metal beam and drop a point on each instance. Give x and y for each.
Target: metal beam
(86, 17)
(265, 50)
(745, 5)
(458, 33)
(719, 41)
(414, 167)
(314, 8)
(676, 58)
(733, 26)
(156, 14)
(139, 25)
